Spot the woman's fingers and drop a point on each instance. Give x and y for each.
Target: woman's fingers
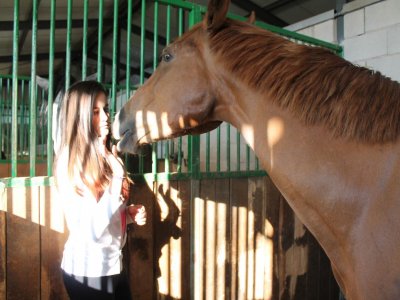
(138, 214)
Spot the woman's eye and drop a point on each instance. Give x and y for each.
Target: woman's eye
(166, 57)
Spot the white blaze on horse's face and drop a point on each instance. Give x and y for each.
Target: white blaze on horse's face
(176, 100)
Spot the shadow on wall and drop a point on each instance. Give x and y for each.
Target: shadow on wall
(247, 244)
(147, 245)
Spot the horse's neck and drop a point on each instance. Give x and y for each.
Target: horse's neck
(331, 184)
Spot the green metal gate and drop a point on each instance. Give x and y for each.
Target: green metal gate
(26, 124)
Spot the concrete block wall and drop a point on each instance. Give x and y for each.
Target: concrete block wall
(371, 34)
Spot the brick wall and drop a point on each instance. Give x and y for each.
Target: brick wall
(371, 36)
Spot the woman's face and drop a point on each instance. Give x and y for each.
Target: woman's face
(101, 117)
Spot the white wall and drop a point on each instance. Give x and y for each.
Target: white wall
(371, 34)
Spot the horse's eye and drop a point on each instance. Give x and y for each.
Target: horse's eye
(166, 57)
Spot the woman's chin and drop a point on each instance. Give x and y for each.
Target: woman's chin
(103, 134)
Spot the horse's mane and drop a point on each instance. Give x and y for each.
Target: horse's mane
(318, 86)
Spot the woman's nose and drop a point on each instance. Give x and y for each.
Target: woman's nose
(103, 115)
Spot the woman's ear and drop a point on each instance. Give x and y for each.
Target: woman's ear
(216, 14)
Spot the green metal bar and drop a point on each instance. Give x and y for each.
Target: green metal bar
(180, 4)
(291, 34)
(142, 41)
(237, 150)
(194, 141)
(2, 104)
(247, 157)
(154, 158)
(180, 32)
(166, 156)
(85, 35)
(22, 118)
(155, 61)
(149, 177)
(26, 83)
(114, 60)
(27, 181)
(14, 130)
(180, 21)
(44, 128)
(179, 155)
(100, 43)
(7, 76)
(155, 39)
(33, 106)
(228, 147)
(9, 95)
(142, 61)
(68, 46)
(39, 120)
(168, 39)
(128, 50)
(51, 90)
(219, 149)
(168, 25)
(208, 152)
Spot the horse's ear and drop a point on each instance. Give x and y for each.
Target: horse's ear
(216, 14)
(252, 18)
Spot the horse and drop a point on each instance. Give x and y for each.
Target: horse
(326, 131)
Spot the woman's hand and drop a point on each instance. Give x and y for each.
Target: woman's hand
(137, 213)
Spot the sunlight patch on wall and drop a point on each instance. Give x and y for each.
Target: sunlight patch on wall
(199, 248)
(18, 202)
(56, 212)
(3, 197)
(221, 246)
(170, 283)
(34, 205)
(163, 189)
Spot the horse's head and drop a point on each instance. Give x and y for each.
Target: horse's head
(179, 98)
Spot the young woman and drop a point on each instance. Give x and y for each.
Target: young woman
(92, 184)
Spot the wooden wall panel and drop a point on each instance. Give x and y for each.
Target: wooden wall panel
(53, 235)
(140, 251)
(23, 169)
(239, 238)
(204, 239)
(181, 231)
(223, 237)
(260, 260)
(169, 241)
(22, 244)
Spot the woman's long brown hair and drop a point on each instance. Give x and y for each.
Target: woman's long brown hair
(80, 140)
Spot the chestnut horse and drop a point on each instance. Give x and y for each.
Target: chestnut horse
(326, 132)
